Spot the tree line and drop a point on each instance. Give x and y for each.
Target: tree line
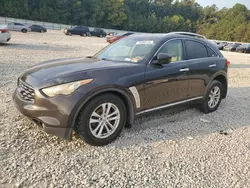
(138, 15)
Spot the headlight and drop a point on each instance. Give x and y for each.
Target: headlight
(65, 89)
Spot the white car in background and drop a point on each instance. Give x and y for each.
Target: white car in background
(13, 26)
(5, 35)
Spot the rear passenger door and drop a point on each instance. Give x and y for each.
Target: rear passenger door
(202, 66)
(95, 32)
(18, 26)
(35, 28)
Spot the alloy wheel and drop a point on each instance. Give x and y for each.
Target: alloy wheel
(104, 121)
(214, 97)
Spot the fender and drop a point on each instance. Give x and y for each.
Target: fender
(84, 100)
(219, 73)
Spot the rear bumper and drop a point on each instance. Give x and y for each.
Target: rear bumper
(52, 121)
(5, 37)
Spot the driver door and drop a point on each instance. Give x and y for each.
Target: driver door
(167, 83)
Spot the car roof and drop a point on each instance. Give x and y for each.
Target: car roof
(167, 36)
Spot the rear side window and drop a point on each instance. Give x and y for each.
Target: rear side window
(195, 50)
(85, 28)
(211, 53)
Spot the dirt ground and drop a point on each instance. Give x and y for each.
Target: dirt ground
(181, 148)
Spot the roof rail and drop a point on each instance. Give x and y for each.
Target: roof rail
(189, 34)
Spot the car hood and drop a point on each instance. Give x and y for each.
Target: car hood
(61, 68)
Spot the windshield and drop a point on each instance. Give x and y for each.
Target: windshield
(131, 49)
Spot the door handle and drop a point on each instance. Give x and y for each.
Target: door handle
(184, 70)
(213, 65)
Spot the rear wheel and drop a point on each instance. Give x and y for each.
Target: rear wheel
(70, 34)
(101, 120)
(24, 30)
(84, 35)
(213, 97)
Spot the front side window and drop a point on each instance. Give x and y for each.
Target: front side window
(195, 50)
(174, 49)
(133, 49)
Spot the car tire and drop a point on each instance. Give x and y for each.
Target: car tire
(213, 97)
(95, 133)
(101, 36)
(42, 31)
(24, 30)
(84, 35)
(70, 34)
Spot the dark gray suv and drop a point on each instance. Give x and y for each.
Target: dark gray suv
(98, 96)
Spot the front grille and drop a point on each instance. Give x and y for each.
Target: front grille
(26, 92)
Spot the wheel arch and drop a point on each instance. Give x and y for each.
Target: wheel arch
(130, 107)
(222, 78)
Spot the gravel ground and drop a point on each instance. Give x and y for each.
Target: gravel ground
(177, 148)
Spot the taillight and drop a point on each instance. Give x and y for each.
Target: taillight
(228, 63)
(3, 30)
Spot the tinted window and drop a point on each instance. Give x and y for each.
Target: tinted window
(18, 24)
(174, 49)
(127, 34)
(85, 28)
(211, 53)
(195, 50)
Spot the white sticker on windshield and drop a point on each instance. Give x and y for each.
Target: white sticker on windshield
(145, 42)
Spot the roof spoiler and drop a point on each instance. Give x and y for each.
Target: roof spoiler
(189, 34)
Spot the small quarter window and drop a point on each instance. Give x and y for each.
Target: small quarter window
(211, 53)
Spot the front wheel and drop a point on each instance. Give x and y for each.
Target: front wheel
(213, 97)
(101, 120)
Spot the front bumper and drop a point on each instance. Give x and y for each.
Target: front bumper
(53, 120)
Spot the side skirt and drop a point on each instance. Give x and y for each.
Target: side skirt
(169, 105)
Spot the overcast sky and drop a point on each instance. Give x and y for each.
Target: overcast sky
(224, 3)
